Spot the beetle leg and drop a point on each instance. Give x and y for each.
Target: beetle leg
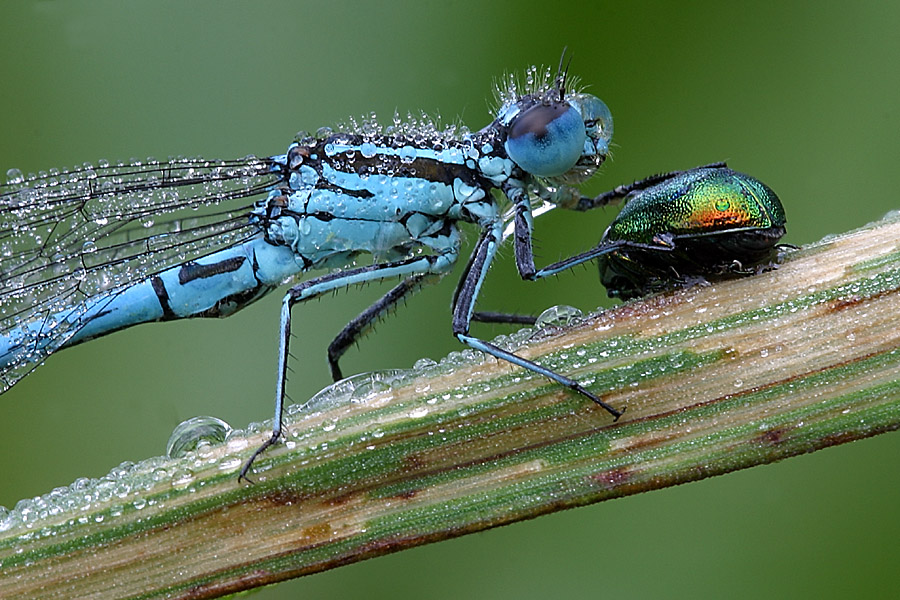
(621, 192)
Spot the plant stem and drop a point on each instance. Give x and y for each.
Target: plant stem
(713, 378)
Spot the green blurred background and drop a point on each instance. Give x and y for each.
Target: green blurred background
(804, 95)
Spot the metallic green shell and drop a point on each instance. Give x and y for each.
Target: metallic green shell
(698, 202)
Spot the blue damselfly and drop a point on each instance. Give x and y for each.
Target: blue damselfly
(95, 249)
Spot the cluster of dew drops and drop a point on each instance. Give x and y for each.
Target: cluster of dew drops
(193, 441)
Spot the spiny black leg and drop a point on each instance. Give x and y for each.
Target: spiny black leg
(505, 318)
(523, 246)
(466, 295)
(246, 468)
(429, 265)
(599, 250)
(364, 322)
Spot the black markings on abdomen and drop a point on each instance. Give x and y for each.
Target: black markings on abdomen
(191, 271)
(159, 288)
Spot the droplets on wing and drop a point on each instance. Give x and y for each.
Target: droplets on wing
(71, 241)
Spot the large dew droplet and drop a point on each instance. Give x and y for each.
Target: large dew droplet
(189, 435)
(14, 176)
(559, 316)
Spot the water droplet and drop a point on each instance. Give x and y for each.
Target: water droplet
(354, 389)
(559, 316)
(367, 149)
(373, 386)
(182, 478)
(14, 176)
(419, 412)
(407, 154)
(6, 521)
(236, 444)
(188, 435)
(424, 364)
(230, 464)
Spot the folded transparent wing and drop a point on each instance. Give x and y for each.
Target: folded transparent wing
(72, 239)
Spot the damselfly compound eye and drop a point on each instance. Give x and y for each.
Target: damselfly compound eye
(547, 139)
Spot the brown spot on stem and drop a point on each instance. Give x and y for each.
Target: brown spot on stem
(854, 300)
(613, 478)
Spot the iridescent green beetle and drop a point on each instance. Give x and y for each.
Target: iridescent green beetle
(706, 223)
(685, 227)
